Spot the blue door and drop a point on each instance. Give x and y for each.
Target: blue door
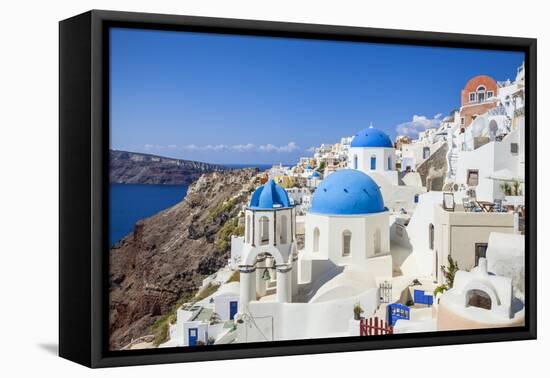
(193, 336)
(420, 297)
(233, 307)
(397, 311)
(373, 163)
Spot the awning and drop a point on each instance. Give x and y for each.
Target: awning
(505, 175)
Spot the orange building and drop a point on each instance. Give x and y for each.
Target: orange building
(478, 96)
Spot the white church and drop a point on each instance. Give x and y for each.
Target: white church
(286, 295)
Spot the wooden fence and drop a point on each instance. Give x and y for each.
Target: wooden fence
(374, 326)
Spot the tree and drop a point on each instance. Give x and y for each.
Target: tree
(322, 166)
(449, 274)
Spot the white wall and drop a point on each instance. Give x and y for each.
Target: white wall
(222, 304)
(202, 331)
(488, 159)
(306, 320)
(382, 155)
(415, 151)
(506, 257)
(362, 229)
(423, 216)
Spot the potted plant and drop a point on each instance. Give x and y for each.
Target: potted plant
(357, 311)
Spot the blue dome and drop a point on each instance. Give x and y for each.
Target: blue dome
(347, 192)
(269, 196)
(315, 174)
(371, 137)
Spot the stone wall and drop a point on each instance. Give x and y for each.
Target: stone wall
(433, 170)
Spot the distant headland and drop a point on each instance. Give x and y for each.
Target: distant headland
(137, 168)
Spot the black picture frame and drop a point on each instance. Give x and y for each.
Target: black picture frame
(83, 180)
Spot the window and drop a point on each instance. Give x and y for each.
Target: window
(389, 164)
(346, 243)
(416, 198)
(473, 177)
(355, 162)
(472, 97)
(489, 94)
(431, 236)
(462, 121)
(373, 163)
(514, 148)
(377, 242)
(248, 228)
(316, 240)
(264, 230)
(480, 94)
(425, 153)
(481, 251)
(284, 227)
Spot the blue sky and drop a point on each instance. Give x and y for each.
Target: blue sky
(242, 99)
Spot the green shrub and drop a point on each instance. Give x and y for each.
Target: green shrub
(219, 209)
(161, 325)
(449, 274)
(206, 292)
(223, 236)
(235, 277)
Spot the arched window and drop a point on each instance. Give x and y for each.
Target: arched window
(264, 230)
(284, 228)
(355, 162)
(346, 243)
(373, 163)
(431, 236)
(316, 235)
(478, 298)
(480, 93)
(248, 228)
(377, 241)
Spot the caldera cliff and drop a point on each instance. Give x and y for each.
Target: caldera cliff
(136, 168)
(167, 255)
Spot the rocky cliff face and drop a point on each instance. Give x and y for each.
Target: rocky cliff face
(135, 168)
(433, 170)
(168, 254)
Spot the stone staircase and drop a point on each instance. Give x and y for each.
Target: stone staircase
(453, 160)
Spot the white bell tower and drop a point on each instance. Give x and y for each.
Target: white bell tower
(269, 253)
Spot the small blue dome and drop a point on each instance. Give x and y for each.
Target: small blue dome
(347, 192)
(315, 174)
(269, 196)
(308, 166)
(371, 137)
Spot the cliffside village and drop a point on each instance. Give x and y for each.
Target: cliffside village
(372, 236)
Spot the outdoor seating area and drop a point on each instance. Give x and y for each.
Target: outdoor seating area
(477, 206)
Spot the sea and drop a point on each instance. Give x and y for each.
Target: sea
(130, 203)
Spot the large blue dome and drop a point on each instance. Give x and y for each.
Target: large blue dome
(371, 137)
(347, 192)
(269, 196)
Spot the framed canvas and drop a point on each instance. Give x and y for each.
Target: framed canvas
(236, 188)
